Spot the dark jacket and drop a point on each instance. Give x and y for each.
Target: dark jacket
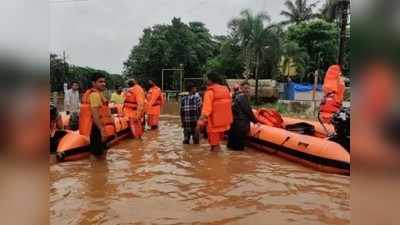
(240, 128)
(242, 111)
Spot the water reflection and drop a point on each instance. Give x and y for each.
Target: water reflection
(157, 180)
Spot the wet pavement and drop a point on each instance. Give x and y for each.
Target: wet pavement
(157, 180)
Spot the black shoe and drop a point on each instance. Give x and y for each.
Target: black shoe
(186, 142)
(196, 142)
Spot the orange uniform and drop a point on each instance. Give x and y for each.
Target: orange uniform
(334, 83)
(334, 88)
(134, 109)
(154, 102)
(217, 108)
(86, 118)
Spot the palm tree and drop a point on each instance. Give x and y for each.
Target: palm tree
(330, 11)
(254, 38)
(298, 11)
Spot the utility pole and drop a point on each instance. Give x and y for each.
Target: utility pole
(314, 94)
(345, 5)
(256, 76)
(65, 64)
(65, 71)
(256, 72)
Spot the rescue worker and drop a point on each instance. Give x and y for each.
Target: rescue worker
(154, 101)
(134, 107)
(95, 120)
(216, 111)
(242, 116)
(334, 88)
(203, 128)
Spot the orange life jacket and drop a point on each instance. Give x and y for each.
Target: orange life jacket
(159, 101)
(86, 118)
(221, 115)
(334, 89)
(269, 117)
(330, 105)
(130, 99)
(334, 84)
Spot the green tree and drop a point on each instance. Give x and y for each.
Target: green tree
(170, 46)
(57, 73)
(256, 40)
(76, 73)
(330, 11)
(298, 11)
(320, 40)
(294, 54)
(228, 58)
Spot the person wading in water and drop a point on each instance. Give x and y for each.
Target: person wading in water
(95, 120)
(134, 108)
(217, 110)
(190, 114)
(154, 102)
(242, 116)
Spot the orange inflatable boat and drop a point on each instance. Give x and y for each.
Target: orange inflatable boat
(321, 146)
(74, 146)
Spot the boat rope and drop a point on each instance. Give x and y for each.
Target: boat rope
(323, 125)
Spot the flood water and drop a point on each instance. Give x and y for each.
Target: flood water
(157, 180)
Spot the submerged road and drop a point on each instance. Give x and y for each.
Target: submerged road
(158, 180)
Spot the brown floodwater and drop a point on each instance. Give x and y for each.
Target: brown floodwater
(157, 180)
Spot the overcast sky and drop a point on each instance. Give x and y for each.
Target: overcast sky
(101, 33)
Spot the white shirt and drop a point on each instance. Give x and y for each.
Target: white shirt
(71, 101)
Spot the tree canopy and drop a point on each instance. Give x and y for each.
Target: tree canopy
(62, 72)
(298, 11)
(171, 46)
(319, 39)
(252, 45)
(330, 11)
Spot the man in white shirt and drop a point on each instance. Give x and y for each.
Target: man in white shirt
(71, 100)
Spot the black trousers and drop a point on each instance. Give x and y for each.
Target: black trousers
(97, 146)
(189, 132)
(238, 134)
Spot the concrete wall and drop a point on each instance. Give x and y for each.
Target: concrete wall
(266, 88)
(308, 96)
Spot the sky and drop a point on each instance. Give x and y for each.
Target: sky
(101, 33)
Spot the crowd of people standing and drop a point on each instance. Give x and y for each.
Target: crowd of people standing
(215, 109)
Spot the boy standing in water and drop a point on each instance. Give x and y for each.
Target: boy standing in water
(190, 114)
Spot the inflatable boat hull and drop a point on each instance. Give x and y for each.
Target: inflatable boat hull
(74, 146)
(315, 152)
